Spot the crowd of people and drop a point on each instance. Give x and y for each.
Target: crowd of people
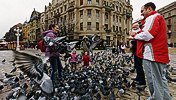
(149, 48)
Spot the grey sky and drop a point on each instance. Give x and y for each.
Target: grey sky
(137, 4)
(17, 11)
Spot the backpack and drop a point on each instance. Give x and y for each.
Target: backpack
(42, 45)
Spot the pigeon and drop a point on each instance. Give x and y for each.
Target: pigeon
(98, 96)
(112, 96)
(21, 76)
(89, 43)
(3, 60)
(8, 75)
(13, 70)
(21, 96)
(32, 66)
(13, 64)
(1, 85)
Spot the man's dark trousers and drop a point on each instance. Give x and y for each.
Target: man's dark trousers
(139, 70)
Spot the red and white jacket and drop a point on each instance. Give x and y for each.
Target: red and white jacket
(155, 36)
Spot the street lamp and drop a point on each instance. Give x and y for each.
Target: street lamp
(18, 30)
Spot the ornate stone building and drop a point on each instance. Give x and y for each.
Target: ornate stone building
(34, 27)
(26, 32)
(169, 13)
(109, 19)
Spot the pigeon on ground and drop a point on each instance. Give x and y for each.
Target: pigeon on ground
(3, 60)
(8, 75)
(13, 70)
(1, 85)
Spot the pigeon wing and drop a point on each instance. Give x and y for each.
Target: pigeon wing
(85, 47)
(94, 44)
(29, 64)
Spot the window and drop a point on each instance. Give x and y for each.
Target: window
(73, 14)
(57, 10)
(81, 14)
(65, 7)
(97, 13)
(89, 12)
(106, 15)
(81, 26)
(61, 9)
(61, 19)
(113, 28)
(120, 20)
(116, 18)
(113, 17)
(89, 1)
(97, 26)
(106, 26)
(117, 29)
(117, 8)
(120, 9)
(108, 40)
(97, 2)
(88, 25)
(81, 2)
(65, 18)
(120, 29)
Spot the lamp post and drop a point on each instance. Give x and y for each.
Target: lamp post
(18, 30)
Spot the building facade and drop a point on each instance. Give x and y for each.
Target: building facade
(169, 13)
(34, 27)
(109, 19)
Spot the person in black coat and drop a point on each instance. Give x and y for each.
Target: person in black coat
(140, 77)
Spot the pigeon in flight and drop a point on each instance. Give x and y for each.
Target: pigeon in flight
(33, 67)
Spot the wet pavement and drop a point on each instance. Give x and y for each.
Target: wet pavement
(7, 67)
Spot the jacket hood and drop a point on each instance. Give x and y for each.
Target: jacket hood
(49, 31)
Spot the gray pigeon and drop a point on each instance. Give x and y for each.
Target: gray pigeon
(33, 67)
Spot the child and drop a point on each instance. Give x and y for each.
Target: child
(73, 59)
(86, 59)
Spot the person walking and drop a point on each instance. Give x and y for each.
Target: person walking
(52, 52)
(73, 59)
(155, 55)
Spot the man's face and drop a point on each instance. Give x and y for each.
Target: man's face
(147, 11)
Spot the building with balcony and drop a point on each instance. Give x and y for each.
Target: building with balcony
(169, 13)
(34, 27)
(109, 19)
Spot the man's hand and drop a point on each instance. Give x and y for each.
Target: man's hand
(132, 33)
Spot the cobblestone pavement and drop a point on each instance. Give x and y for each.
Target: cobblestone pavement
(133, 96)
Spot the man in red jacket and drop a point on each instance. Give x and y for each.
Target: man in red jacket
(155, 55)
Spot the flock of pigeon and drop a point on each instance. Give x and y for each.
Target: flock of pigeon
(108, 77)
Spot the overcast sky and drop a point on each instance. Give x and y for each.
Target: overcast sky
(17, 11)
